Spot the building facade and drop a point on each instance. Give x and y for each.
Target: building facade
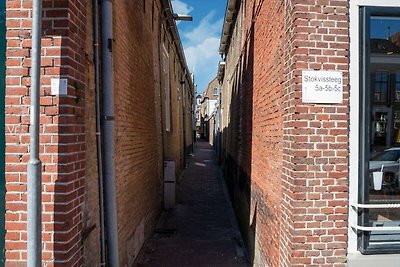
(153, 93)
(208, 104)
(198, 115)
(309, 126)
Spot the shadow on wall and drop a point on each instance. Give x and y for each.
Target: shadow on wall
(236, 148)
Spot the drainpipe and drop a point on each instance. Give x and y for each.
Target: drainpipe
(108, 131)
(182, 81)
(34, 186)
(98, 128)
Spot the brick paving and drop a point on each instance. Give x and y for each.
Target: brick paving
(201, 230)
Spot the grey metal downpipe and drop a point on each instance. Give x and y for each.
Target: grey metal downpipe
(34, 205)
(98, 128)
(108, 132)
(183, 80)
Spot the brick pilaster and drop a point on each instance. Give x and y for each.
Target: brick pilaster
(62, 129)
(315, 176)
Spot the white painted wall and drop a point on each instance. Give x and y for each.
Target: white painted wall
(211, 106)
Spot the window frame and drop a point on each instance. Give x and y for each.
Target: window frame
(215, 91)
(365, 14)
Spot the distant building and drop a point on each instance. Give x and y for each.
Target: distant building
(208, 105)
(198, 114)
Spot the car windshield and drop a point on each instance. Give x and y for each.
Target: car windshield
(389, 155)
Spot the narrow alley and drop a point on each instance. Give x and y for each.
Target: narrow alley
(179, 133)
(202, 229)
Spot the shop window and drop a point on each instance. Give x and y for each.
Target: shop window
(379, 194)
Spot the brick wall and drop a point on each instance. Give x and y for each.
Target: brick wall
(292, 156)
(17, 137)
(137, 162)
(173, 138)
(266, 66)
(68, 137)
(316, 137)
(235, 114)
(177, 141)
(62, 131)
(90, 217)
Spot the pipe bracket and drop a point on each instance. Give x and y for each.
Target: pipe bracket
(108, 118)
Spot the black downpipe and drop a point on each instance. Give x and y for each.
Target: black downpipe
(98, 128)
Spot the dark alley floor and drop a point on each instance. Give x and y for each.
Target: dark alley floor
(201, 230)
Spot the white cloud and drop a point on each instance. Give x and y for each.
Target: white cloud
(206, 28)
(200, 55)
(201, 49)
(181, 8)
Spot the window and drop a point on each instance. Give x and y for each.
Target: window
(167, 89)
(397, 87)
(215, 91)
(381, 87)
(379, 139)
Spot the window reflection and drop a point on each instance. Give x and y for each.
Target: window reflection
(384, 158)
(385, 31)
(381, 88)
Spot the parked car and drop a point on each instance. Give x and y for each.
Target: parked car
(390, 160)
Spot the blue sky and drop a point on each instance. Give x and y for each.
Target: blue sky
(201, 36)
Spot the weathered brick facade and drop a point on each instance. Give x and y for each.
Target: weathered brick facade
(177, 94)
(68, 132)
(286, 162)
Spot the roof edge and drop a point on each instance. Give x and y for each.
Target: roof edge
(229, 19)
(178, 42)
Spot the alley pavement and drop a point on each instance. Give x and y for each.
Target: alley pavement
(201, 230)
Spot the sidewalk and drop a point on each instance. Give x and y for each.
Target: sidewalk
(201, 230)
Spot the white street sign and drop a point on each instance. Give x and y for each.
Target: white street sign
(322, 87)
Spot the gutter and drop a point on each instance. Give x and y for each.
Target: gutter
(229, 19)
(177, 40)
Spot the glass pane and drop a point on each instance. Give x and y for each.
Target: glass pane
(384, 218)
(384, 138)
(397, 95)
(385, 36)
(381, 86)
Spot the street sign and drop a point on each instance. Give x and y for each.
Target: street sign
(322, 87)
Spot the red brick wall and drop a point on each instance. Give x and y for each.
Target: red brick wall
(252, 95)
(138, 166)
(266, 41)
(62, 131)
(315, 179)
(293, 155)
(17, 137)
(90, 217)
(68, 149)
